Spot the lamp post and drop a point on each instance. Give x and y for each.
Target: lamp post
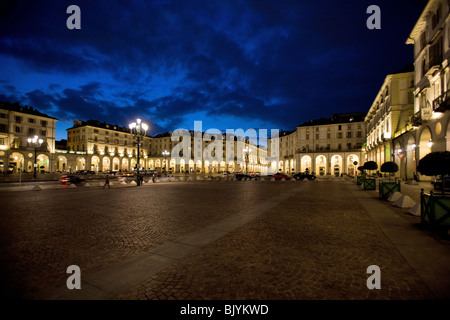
(36, 142)
(246, 153)
(138, 129)
(165, 153)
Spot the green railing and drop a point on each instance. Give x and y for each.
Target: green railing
(360, 180)
(370, 184)
(388, 188)
(435, 209)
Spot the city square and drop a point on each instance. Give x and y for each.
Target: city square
(258, 240)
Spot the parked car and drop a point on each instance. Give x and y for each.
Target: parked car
(85, 172)
(243, 176)
(69, 179)
(279, 176)
(437, 183)
(303, 175)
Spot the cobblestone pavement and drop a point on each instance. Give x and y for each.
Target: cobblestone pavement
(316, 245)
(43, 232)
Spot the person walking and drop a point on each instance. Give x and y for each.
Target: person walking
(106, 182)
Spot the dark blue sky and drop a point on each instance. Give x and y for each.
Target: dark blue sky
(232, 64)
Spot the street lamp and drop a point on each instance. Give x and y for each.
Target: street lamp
(165, 153)
(246, 153)
(138, 130)
(36, 142)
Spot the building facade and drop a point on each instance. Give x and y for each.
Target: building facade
(324, 146)
(100, 147)
(17, 124)
(429, 129)
(389, 116)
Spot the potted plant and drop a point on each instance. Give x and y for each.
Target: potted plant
(370, 183)
(435, 209)
(388, 188)
(360, 179)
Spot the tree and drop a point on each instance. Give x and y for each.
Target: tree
(370, 165)
(390, 167)
(435, 164)
(361, 168)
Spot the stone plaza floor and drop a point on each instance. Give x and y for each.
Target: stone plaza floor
(219, 240)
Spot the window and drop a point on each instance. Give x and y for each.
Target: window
(307, 136)
(349, 146)
(317, 136)
(317, 129)
(339, 146)
(18, 129)
(328, 146)
(3, 115)
(328, 135)
(339, 127)
(2, 127)
(423, 41)
(31, 120)
(31, 131)
(43, 123)
(339, 135)
(44, 133)
(349, 127)
(359, 134)
(95, 138)
(349, 134)
(18, 119)
(95, 130)
(2, 141)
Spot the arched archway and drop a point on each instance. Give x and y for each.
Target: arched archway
(321, 165)
(280, 166)
(116, 164)
(106, 164)
(80, 164)
(125, 163)
(306, 164)
(425, 147)
(95, 161)
(61, 164)
(351, 168)
(43, 163)
(16, 163)
(336, 164)
(410, 161)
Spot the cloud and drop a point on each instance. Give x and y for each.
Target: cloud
(280, 63)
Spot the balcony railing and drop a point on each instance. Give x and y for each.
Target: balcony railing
(442, 103)
(416, 119)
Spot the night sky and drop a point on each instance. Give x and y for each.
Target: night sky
(232, 64)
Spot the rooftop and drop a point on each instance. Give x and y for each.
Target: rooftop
(336, 118)
(23, 109)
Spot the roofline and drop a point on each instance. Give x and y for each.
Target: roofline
(415, 32)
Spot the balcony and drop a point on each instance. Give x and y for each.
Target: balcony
(442, 103)
(416, 119)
